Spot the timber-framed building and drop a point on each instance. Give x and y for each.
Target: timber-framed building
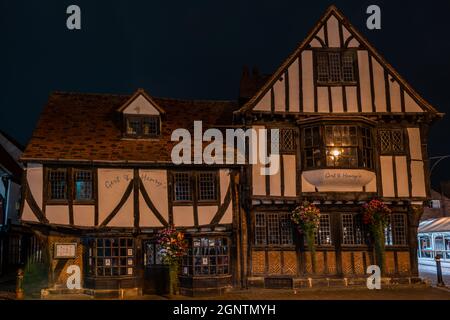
(99, 175)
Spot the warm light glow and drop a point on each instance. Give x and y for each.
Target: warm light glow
(335, 152)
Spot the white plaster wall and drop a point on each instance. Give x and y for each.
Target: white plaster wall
(264, 103)
(84, 215)
(307, 81)
(112, 184)
(415, 147)
(333, 32)
(57, 214)
(206, 214)
(35, 179)
(402, 176)
(364, 81)
(125, 216)
(141, 106)
(155, 182)
(183, 216)
(387, 176)
(290, 175)
(379, 85)
(294, 87)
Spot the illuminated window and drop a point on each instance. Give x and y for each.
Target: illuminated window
(337, 146)
(335, 67)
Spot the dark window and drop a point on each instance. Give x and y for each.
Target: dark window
(366, 159)
(112, 257)
(83, 182)
(335, 67)
(345, 146)
(273, 229)
(205, 183)
(207, 186)
(207, 256)
(57, 179)
(182, 186)
(323, 234)
(287, 140)
(353, 229)
(391, 141)
(312, 147)
(152, 255)
(395, 233)
(142, 126)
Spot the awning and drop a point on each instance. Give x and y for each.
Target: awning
(435, 225)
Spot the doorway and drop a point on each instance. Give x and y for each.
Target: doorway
(156, 274)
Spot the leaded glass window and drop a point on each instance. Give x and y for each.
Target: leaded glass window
(57, 179)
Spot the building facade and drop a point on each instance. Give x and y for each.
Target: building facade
(100, 181)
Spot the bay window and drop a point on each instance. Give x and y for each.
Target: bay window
(337, 146)
(207, 256)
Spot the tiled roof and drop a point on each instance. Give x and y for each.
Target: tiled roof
(87, 127)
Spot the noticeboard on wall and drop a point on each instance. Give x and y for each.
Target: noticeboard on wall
(65, 250)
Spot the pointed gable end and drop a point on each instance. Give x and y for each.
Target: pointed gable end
(336, 70)
(141, 104)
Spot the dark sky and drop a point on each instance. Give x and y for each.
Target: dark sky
(196, 49)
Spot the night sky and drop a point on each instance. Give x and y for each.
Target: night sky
(196, 49)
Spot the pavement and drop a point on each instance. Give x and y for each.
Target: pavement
(427, 271)
(388, 293)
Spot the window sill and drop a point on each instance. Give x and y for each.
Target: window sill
(56, 202)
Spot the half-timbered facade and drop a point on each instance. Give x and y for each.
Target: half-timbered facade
(99, 175)
(351, 129)
(100, 181)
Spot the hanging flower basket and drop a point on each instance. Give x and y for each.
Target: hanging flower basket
(376, 217)
(173, 247)
(306, 217)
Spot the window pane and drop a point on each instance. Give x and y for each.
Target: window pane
(322, 67)
(323, 234)
(273, 229)
(207, 186)
(58, 184)
(347, 229)
(150, 126)
(287, 140)
(133, 126)
(83, 185)
(182, 186)
(348, 67)
(335, 66)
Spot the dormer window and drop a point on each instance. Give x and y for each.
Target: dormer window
(141, 117)
(142, 126)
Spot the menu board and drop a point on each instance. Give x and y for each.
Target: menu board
(65, 250)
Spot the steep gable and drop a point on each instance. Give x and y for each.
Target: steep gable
(141, 104)
(378, 88)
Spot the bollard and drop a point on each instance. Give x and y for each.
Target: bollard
(19, 285)
(440, 281)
